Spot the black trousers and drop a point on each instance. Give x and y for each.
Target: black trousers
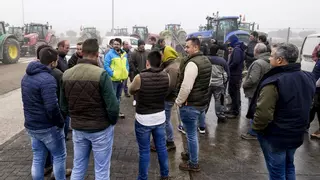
(234, 92)
(315, 109)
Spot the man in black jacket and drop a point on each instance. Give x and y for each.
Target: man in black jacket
(63, 49)
(249, 53)
(76, 56)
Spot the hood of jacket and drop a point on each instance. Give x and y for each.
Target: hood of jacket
(240, 45)
(264, 56)
(36, 67)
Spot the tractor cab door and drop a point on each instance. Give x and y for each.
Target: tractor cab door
(2, 30)
(44, 32)
(224, 27)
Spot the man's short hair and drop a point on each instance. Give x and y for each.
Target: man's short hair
(260, 48)
(287, 51)
(195, 41)
(79, 43)
(90, 47)
(39, 49)
(214, 50)
(124, 42)
(111, 41)
(48, 55)
(154, 58)
(262, 38)
(254, 34)
(118, 40)
(61, 43)
(152, 38)
(160, 41)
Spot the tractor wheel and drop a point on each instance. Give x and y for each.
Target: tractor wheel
(11, 51)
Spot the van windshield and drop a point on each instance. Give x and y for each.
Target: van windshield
(310, 44)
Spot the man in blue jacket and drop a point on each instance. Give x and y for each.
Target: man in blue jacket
(280, 110)
(117, 66)
(236, 67)
(43, 120)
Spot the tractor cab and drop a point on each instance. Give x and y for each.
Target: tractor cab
(247, 26)
(223, 26)
(90, 30)
(2, 28)
(141, 31)
(121, 32)
(15, 30)
(173, 27)
(40, 29)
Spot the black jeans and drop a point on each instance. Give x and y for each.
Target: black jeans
(234, 92)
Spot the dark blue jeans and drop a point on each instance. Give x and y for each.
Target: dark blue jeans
(189, 117)
(117, 87)
(66, 126)
(143, 138)
(125, 86)
(169, 127)
(280, 162)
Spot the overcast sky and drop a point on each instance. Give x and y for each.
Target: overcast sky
(71, 14)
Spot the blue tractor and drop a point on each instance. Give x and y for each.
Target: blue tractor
(220, 29)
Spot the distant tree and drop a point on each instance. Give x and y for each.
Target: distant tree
(306, 33)
(281, 33)
(71, 33)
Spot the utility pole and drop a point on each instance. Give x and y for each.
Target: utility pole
(288, 36)
(112, 30)
(22, 12)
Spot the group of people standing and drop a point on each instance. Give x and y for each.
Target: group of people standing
(89, 92)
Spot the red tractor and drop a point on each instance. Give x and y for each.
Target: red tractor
(36, 35)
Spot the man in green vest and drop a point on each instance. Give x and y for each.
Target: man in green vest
(193, 97)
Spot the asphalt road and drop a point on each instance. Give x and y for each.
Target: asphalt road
(11, 75)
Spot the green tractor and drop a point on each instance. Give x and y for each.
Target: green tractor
(9, 46)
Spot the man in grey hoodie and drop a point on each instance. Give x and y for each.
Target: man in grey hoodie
(255, 72)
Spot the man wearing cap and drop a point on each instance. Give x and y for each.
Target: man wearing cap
(138, 62)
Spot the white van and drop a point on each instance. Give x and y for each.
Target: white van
(309, 43)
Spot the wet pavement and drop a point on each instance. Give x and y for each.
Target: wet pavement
(223, 154)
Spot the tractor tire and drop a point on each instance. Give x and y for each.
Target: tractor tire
(11, 51)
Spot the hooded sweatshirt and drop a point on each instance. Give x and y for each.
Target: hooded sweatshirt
(237, 57)
(169, 53)
(39, 97)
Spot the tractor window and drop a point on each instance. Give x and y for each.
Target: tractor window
(1, 30)
(134, 42)
(245, 26)
(226, 26)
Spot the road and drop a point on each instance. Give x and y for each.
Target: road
(11, 75)
(222, 155)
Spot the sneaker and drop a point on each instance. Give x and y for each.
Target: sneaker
(202, 130)
(180, 128)
(171, 146)
(248, 136)
(185, 156)
(121, 115)
(127, 95)
(134, 103)
(315, 135)
(186, 166)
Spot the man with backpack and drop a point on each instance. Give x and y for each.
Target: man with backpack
(219, 77)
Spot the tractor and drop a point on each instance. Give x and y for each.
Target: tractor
(220, 29)
(9, 46)
(90, 32)
(121, 32)
(36, 35)
(142, 32)
(174, 35)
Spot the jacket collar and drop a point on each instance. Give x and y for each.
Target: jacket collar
(167, 63)
(153, 70)
(88, 61)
